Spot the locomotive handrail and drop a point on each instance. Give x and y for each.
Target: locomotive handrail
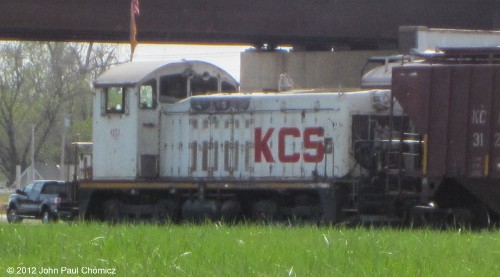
(247, 111)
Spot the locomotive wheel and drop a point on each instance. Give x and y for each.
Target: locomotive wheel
(265, 211)
(418, 216)
(168, 211)
(475, 216)
(458, 218)
(111, 210)
(303, 200)
(230, 210)
(480, 216)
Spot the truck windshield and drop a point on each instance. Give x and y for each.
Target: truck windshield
(28, 188)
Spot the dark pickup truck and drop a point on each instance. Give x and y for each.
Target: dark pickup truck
(47, 200)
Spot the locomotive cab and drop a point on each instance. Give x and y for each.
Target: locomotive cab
(130, 97)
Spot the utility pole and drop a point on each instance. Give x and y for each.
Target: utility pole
(62, 166)
(32, 153)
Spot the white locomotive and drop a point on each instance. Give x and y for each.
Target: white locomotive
(178, 141)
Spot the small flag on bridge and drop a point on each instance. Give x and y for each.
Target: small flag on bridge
(134, 7)
(134, 10)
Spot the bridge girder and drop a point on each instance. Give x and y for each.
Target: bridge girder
(363, 24)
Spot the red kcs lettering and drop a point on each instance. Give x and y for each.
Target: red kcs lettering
(282, 156)
(313, 145)
(262, 146)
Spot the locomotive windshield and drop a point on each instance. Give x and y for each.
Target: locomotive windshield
(176, 87)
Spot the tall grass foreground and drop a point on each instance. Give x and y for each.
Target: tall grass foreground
(214, 249)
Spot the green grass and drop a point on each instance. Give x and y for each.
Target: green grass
(249, 250)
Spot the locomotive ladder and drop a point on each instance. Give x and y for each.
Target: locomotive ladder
(402, 160)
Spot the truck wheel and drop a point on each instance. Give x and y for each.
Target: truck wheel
(47, 217)
(13, 216)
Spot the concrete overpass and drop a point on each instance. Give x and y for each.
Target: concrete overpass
(307, 24)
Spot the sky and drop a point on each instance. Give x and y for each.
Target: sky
(224, 56)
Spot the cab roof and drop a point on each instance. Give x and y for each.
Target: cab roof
(133, 73)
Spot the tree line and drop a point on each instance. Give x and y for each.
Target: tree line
(44, 84)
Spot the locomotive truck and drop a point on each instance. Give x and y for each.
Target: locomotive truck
(179, 142)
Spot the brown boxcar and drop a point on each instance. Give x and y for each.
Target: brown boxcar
(456, 108)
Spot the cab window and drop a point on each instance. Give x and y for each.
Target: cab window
(203, 84)
(50, 188)
(147, 95)
(114, 100)
(173, 88)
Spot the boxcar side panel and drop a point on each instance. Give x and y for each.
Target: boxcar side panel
(438, 113)
(457, 134)
(494, 167)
